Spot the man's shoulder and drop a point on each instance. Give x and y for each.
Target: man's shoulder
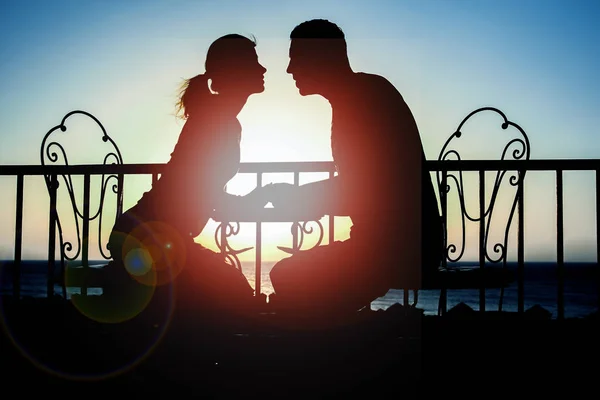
(369, 77)
(374, 79)
(376, 85)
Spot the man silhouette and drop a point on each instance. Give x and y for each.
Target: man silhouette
(381, 184)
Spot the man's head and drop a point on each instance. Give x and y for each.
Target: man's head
(318, 54)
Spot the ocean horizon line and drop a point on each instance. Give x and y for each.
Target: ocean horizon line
(540, 280)
(461, 262)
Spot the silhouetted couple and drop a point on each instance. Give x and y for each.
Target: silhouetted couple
(381, 184)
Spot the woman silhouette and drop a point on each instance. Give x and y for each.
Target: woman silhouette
(152, 243)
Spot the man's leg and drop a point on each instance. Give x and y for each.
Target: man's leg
(333, 278)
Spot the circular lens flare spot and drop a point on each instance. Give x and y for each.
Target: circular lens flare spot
(138, 262)
(164, 250)
(121, 300)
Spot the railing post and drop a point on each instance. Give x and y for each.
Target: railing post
(331, 218)
(258, 266)
(224, 226)
(520, 247)
(120, 194)
(560, 270)
(52, 235)
(85, 231)
(444, 203)
(18, 239)
(482, 239)
(295, 224)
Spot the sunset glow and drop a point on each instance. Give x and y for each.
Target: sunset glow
(124, 63)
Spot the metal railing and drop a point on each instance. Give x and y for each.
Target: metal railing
(558, 167)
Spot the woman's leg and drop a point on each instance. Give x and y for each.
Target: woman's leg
(196, 279)
(131, 280)
(210, 285)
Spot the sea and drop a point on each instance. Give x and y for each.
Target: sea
(540, 288)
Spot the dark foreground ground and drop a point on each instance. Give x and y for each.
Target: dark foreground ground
(49, 348)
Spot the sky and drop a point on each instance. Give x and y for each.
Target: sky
(123, 61)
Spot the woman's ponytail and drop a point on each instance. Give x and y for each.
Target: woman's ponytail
(193, 94)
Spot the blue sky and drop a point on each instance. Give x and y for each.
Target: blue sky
(123, 61)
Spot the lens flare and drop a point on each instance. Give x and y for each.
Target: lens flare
(155, 253)
(138, 262)
(107, 335)
(122, 297)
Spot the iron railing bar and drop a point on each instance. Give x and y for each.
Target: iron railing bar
(224, 227)
(295, 224)
(520, 246)
(501, 165)
(482, 240)
(258, 262)
(308, 166)
(120, 194)
(85, 242)
(18, 239)
(444, 204)
(560, 270)
(52, 235)
(92, 169)
(331, 219)
(157, 168)
(287, 166)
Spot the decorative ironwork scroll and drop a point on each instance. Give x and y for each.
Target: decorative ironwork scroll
(224, 231)
(517, 149)
(301, 229)
(52, 152)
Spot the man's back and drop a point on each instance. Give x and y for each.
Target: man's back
(377, 148)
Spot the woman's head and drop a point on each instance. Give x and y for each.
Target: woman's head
(232, 69)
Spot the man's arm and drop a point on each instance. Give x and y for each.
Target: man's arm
(322, 197)
(251, 201)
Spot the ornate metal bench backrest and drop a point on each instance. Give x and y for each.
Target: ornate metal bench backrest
(492, 215)
(54, 152)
